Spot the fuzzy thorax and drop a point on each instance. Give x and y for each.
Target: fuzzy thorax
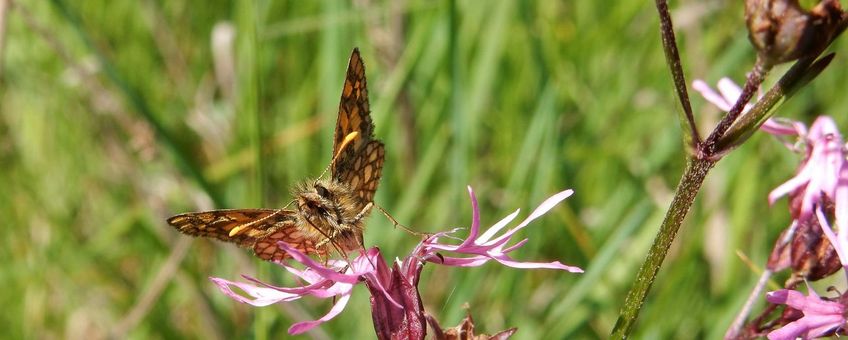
(331, 211)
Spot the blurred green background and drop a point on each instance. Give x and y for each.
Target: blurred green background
(115, 115)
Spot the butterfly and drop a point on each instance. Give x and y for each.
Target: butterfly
(329, 213)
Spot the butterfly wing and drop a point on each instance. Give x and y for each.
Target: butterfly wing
(360, 163)
(259, 229)
(363, 175)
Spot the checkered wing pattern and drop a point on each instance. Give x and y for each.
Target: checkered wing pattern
(259, 229)
(360, 162)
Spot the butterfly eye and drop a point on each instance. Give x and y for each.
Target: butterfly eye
(322, 191)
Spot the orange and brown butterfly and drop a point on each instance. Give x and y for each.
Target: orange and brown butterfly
(329, 213)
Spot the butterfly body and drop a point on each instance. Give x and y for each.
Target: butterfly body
(329, 213)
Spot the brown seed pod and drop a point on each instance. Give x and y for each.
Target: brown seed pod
(783, 31)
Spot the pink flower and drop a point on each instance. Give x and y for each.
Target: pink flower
(397, 310)
(323, 282)
(820, 316)
(822, 176)
(487, 247)
(822, 173)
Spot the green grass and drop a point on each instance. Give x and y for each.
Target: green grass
(111, 120)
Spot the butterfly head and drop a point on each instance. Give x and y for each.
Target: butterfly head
(318, 199)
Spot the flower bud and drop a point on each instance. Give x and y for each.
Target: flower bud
(783, 31)
(809, 253)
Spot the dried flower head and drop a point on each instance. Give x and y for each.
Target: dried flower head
(783, 31)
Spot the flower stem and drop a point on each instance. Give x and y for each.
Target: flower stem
(687, 190)
(672, 58)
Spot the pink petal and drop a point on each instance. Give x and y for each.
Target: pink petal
(729, 90)
(382, 288)
(543, 208)
(536, 265)
(784, 189)
(317, 267)
(823, 126)
(789, 332)
(807, 327)
(475, 219)
(307, 275)
(261, 296)
(841, 202)
(782, 295)
(304, 326)
(809, 304)
(820, 325)
(834, 240)
(380, 276)
(547, 205)
(496, 227)
(471, 261)
(514, 246)
(774, 127)
(710, 95)
(318, 289)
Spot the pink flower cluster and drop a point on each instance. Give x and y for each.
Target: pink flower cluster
(396, 306)
(821, 178)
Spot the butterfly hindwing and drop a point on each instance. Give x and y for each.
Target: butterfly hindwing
(267, 248)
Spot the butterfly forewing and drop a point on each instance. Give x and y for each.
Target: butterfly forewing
(259, 229)
(361, 162)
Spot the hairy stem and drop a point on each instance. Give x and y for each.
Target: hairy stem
(687, 190)
(672, 59)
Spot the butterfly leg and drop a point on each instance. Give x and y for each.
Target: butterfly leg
(325, 240)
(363, 212)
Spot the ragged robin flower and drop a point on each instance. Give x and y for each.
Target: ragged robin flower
(397, 310)
(813, 188)
(809, 246)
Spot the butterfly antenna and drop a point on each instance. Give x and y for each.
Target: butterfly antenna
(401, 226)
(347, 140)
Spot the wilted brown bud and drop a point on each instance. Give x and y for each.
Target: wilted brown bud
(465, 330)
(812, 255)
(809, 253)
(783, 31)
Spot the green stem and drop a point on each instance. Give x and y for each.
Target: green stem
(672, 57)
(687, 190)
